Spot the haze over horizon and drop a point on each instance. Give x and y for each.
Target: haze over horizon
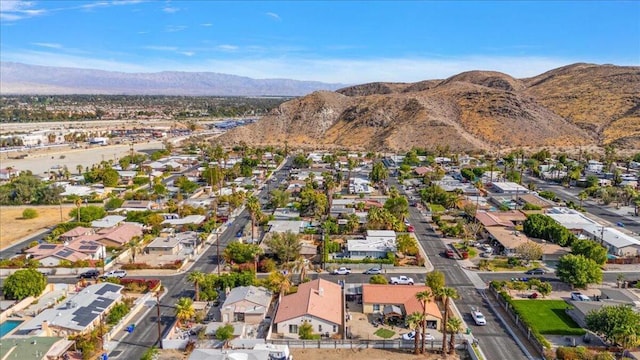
(333, 42)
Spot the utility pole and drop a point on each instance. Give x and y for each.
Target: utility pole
(158, 319)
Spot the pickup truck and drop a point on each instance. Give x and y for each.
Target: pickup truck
(401, 280)
(342, 271)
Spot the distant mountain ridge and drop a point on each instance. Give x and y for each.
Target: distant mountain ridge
(18, 78)
(572, 106)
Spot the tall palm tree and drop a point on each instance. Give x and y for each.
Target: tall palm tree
(184, 309)
(79, 168)
(197, 278)
(424, 297)
(454, 326)
(253, 205)
(329, 186)
(351, 164)
(413, 321)
(445, 294)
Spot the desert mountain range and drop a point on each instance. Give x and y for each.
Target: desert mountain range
(575, 105)
(19, 79)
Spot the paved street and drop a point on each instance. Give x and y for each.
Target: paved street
(494, 338)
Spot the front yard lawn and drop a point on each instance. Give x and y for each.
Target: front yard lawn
(548, 316)
(502, 264)
(385, 333)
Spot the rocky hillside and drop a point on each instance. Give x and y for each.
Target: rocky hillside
(576, 105)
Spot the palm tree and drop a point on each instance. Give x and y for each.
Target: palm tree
(582, 195)
(329, 186)
(351, 164)
(424, 297)
(445, 294)
(197, 278)
(184, 309)
(134, 247)
(253, 205)
(413, 321)
(454, 326)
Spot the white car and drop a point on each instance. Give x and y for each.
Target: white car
(411, 336)
(478, 317)
(114, 273)
(577, 296)
(342, 271)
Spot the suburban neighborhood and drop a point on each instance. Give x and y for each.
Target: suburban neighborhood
(196, 251)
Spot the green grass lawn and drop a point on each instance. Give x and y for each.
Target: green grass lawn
(548, 316)
(437, 208)
(384, 333)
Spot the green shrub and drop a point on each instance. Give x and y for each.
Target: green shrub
(29, 213)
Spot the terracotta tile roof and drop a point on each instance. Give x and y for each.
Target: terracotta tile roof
(121, 234)
(77, 231)
(398, 295)
(318, 298)
(490, 219)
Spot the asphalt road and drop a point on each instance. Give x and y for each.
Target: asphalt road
(495, 341)
(630, 222)
(145, 335)
(16, 249)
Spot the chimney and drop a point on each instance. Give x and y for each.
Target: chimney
(45, 328)
(321, 291)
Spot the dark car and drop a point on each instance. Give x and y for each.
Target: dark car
(89, 274)
(536, 271)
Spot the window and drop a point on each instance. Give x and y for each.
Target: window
(335, 328)
(293, 329)
(376, 307)
(319, 328)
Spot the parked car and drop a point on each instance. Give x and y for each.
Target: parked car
(450, 254)
(478, 317)
(373, 271)
(412, 335)
(114, 273)
(578, 296)
(410, 228)
(533, 296)
(89, 274)
(342, 271)
(401, 280)
(536, 271)
(486, 254)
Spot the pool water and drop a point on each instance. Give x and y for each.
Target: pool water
(8, 326)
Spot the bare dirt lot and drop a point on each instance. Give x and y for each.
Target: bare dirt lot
(13, 227)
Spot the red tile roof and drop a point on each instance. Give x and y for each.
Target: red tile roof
(318, 298)
(398, 295)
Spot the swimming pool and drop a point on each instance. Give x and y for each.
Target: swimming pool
(8, 326)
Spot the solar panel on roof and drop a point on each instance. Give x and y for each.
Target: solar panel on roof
(64, 253)
(48, 246)
(107, 288)
(88, 247)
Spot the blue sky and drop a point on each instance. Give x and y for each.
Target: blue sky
(330, 41)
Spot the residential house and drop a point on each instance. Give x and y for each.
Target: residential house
(248, 304)
(137, 205)
(535, 200)
(508, 187)
(94, 250)
(78, 315)
(391, 299)
(283, 226)
(169, 245)
(76, 232)
(360, 186)
(286, 214)
(616, 242)
(54, 254)
(376, 245)
(8, 173)
(318, 302)
(36, 348)
(108, 221)
(259, 352)
(116, 236)
(187, 220)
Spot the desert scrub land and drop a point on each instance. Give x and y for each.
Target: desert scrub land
(13, 227)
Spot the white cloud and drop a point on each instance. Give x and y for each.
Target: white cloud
(273, 16)
(206, 24)
(48, 45)
(170, 10)
(227, 47)
(13, 10)
(187, 53)
(174, 28)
